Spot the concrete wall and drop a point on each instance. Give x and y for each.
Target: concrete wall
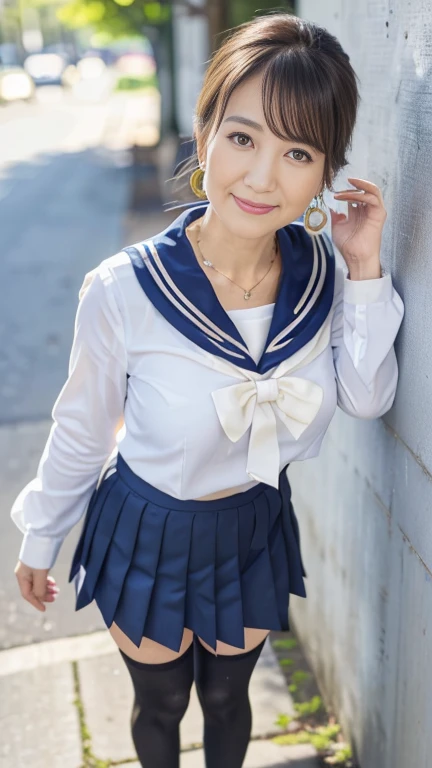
(365, 504)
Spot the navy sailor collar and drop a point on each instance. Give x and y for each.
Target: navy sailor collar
(167, 270)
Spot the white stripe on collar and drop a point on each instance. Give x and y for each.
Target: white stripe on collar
(274, 345)
(212, 331)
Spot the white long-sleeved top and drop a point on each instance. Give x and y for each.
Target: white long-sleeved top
(194, 423)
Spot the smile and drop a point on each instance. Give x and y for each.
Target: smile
(250, 207)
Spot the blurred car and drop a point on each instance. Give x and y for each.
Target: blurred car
(91, 67)
(10, 54)
(107, 56)
(15, 84)
(49, 69)
(136, 64)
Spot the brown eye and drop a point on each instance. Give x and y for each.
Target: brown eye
(239, 139)
(304, 155)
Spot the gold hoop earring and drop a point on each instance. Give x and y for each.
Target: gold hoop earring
(196, 183)
(313, 210)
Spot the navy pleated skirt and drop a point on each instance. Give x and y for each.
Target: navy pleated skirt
(155, 564)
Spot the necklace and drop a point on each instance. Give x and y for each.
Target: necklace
(247, 293)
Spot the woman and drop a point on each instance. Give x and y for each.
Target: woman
(226, 341)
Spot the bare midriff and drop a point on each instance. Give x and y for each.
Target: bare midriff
(222, 494)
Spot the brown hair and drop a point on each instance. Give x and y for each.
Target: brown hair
(309, 90)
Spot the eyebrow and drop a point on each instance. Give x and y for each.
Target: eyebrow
(258, 127)
(244, 121)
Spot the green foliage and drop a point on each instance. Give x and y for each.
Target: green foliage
(331, 731)
(243, 10)
(322, 738)
(308, 707)
(320, 742)
(288, 644)
(289, 739)
(283, 721)
(38, 3)
(114, 17)
(89, 759)
(129, 83)
(342, 755)
(300, 676)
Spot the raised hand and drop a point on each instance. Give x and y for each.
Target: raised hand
(358, 237)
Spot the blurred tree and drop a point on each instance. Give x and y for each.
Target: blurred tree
(114, 17)
(217, 14)
(225, 14)
(243, 10)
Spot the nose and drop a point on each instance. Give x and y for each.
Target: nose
(261, 176)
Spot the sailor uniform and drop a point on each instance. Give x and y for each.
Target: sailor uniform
(211, 400)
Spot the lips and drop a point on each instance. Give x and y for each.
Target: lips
(250, 207)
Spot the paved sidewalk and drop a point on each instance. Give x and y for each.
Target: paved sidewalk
(66, 704)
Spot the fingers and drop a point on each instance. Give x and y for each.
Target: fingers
(366, 194)
(40, 579)
(337, 216)
(47, 590)
(368, 186)
(52, 590)
(358, 197)
(26, 589)
(362, 185)
(36, 586)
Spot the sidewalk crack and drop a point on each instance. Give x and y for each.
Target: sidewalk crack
(89, 759)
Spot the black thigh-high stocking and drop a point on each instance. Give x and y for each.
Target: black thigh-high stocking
(222, 684)
(161, 698)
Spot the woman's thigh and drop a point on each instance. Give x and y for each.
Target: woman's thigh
(253, 637)
(149, 651)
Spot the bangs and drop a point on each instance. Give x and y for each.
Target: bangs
(309, 88)
(298, 101)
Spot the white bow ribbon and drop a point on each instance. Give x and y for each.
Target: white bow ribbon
(255, 403)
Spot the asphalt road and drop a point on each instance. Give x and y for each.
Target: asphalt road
(64, 192)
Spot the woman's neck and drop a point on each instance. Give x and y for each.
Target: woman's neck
(242, 260)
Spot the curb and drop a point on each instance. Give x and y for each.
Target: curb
(48, 652)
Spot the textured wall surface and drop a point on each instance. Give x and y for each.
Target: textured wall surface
(365, 504)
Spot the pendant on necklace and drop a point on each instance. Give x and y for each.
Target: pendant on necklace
(247, 295)
(207, 263)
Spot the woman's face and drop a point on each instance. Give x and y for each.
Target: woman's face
(245, 160)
